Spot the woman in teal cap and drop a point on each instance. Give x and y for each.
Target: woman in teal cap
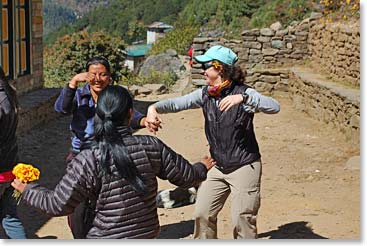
(229, 106)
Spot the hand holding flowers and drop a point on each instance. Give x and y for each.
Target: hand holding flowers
(24, 173)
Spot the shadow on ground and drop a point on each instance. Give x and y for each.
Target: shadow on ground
(294, 230)
(177, 230)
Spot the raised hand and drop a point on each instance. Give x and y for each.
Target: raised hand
(82, 77)
(230, 101)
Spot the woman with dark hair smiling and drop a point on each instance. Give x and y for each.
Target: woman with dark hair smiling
(81, 104)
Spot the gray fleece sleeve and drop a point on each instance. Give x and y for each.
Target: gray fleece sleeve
(260, 103)
(189, 101)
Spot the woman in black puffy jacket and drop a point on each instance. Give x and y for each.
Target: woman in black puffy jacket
(118, 175)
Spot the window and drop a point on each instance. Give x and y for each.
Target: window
(22, 39)
(6, 40)
(15, 38)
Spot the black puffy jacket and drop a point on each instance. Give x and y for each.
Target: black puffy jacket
(8, 126)
(120, 212)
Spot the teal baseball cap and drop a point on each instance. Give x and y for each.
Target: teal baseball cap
(219, 53)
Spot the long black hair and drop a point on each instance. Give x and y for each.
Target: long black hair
(111, 123)
(10, 91)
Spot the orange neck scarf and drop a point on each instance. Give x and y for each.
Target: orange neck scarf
(214, 91)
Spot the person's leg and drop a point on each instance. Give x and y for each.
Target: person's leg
(77, 221)
(11, 223)
(211, 196)
(245, 189)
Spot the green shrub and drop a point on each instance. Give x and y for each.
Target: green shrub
(284, 11)
(69, 54)
(178, 39)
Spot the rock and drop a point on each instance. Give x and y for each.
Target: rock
(270, 52)
(281, 33)
(266, 32)
(157, 89)
(252, 45)
(276, 26)
(277, 44)
(315, 15)
(171, 52)
(140, 90)
(353, 163)
(252, 32)
(161, 63)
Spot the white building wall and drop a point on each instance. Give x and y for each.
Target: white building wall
(150, 37)
(129, 63)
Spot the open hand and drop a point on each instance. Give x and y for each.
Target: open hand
(230, 101)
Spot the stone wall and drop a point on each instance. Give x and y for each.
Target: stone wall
(326, 101)
(36, 108)
(261, 48)
(272, 57)
(335, 50)
(35, 79)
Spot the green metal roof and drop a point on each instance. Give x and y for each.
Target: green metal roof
(138, 50)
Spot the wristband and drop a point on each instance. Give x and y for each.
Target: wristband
(245, 97)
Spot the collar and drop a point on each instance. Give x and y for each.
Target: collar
(85, 91)
(124, 131)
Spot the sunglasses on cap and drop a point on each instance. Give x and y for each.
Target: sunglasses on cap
(210, 64)
(206, 65)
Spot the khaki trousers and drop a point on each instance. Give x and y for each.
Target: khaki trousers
(244, 184)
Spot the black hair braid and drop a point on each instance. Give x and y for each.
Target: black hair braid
(113, 108)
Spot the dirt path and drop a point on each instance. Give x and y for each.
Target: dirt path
(308, 191)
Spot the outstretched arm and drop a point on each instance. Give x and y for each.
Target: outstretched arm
(180, 171)
(72, 189)
(172, 105)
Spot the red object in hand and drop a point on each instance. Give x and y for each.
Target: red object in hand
(6, 176)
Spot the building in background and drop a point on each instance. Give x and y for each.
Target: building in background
(157, 30)
(21, 43)
(135, 55)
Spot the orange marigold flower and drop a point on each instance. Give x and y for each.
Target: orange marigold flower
(26, 172)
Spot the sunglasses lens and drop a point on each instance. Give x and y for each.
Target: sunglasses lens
(207, 65)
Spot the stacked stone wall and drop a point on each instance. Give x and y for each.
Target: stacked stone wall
(328, 91)
(329, 102)
(335, 50)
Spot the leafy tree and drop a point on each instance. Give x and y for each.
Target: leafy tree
(69, 54)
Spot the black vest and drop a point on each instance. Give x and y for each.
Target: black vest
(230, 134)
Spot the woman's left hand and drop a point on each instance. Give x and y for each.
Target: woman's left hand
(18, 185)
(230, 101)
